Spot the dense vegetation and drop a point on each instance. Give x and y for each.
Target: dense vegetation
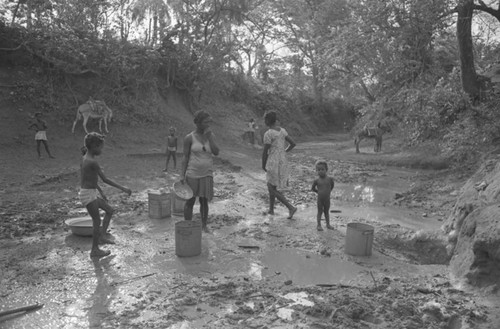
(411, 63)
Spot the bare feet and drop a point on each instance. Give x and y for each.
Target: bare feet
(268, 213)
(292, 212)
(328, 226)
(100, 253)
(319, 228)
(105, 240)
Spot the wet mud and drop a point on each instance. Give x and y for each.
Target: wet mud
(254, 270)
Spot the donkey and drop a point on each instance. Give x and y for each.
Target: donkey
(369, 132)
(96, 110)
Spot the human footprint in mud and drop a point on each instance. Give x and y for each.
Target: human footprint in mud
(274, 162)
(197, 166)
(90, 173)
(323, 186)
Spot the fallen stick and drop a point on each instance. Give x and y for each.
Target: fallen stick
(132, 279)
(335, 210)
(249, 247)
(22, 309)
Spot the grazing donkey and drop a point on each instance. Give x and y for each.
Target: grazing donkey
(96, 110)
(372, 132)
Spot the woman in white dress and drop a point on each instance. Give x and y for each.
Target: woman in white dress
(274, 162)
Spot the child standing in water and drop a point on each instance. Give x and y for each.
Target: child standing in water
(90, 173)
(323, 186)
(171, 148)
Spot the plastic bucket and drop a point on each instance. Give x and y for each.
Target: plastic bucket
(159, 205)
(359, 239)
(188, 238)
(181, 192)
(177, 204)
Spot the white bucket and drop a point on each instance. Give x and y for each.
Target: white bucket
(177, 204)
(359, 239)
(188, 238)
(159, 205)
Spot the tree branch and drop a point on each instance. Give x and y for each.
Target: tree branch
(483, 7)
(12, 49)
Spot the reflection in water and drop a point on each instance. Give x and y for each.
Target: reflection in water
(255, 271)
(366, 193)
(299, 298)
(104, 292)
(308, 268)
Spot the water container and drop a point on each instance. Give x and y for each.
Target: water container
(188, 238)
(359, 239)
(177, 205)
(159, 204)
(181, 192)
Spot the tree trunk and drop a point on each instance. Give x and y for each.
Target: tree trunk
(470, 82)
(317, 90)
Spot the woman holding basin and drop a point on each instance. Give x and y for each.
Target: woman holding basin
(197, 166)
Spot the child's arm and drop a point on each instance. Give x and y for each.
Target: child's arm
(111, 183)
(332, 183)
(102, 193)
(314, 187)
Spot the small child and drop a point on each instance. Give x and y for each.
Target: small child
(171, 148)
(90, 173)
(40, 126)
(323, 186)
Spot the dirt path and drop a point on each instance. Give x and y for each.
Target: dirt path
(254, 271)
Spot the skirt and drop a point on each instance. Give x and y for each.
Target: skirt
(202, 187)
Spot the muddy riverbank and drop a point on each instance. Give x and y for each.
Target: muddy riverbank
(255, 270)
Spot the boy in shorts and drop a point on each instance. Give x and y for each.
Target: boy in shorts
(323, 186)
(89, 191)
(171, 148)
(40, 126)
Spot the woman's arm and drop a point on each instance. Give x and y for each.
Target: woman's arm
(211, 142)
(187, 152)
(265, 154)
(291, 143)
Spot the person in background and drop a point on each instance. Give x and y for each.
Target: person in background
(40, 126)
(171, 148)
(251, 127)
(197, 166)
(323, 186)
(274, 162)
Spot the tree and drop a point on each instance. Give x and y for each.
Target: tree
(470, 81)
(305, 27)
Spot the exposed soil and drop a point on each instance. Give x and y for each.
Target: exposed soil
(255, 270)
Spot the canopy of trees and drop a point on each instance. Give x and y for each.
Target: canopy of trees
(416, 63)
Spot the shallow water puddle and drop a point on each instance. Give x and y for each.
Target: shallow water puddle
(307, 268)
